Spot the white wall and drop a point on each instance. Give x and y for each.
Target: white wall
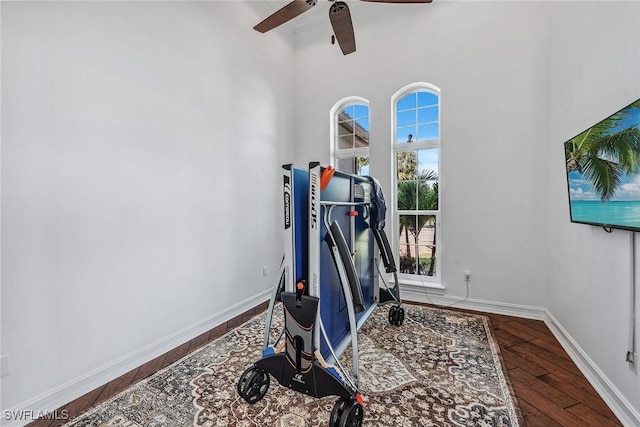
(489, 61)
(141, 145)
(593, 74)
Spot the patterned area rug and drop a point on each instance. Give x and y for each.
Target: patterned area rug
(441, 368)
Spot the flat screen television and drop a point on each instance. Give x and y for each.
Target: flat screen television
(603, 171)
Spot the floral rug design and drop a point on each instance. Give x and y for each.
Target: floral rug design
(441, 368)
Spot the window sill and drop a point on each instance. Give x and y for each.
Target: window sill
(421, 284)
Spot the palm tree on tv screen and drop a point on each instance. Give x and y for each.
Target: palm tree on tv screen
(604, 153)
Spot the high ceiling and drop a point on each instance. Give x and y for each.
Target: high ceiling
(318, 15)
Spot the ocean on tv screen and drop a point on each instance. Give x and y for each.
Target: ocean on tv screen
(615, 213)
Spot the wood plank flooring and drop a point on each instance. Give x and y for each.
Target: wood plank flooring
(550, 389)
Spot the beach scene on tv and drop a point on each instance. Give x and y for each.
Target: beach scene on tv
(603, 171)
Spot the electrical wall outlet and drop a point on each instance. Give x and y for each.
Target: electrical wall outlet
(467, 275)
(265, 272)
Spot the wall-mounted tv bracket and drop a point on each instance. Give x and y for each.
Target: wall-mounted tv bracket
(630, 355)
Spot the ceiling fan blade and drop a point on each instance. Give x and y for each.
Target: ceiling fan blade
(399, 1)
(340, 17)
(290, 11)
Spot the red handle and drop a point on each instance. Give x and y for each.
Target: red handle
(326, 176)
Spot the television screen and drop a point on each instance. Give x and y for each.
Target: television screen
(603, 171)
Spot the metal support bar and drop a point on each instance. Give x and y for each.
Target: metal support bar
(325, 203)
(353, 329)
(272, 303)
(335, 358)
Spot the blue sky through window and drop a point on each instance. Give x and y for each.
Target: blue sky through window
(428, 159)
(359, 113)
(417, 115)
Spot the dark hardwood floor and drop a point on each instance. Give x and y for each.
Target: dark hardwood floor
(549, 387)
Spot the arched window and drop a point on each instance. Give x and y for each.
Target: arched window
(416, 153)
(350, 135)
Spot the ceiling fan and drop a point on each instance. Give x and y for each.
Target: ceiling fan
(339, 15)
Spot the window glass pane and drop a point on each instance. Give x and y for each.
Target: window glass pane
(345, 127)
(428, 163)
(428, 195)
(427, 98)
(346, 113)
(422, 193)
(429, 114)
(407, 102)
(407, 244)
(362, 140)
(363, 123)
(407, 263)
(427, 235)
(362, 133)
(402, 134)
(426, 241)
(352, 127)
(426, 261)
(407, 195)
(363, 165)
(406, 118)
(354, 165)
(345, 141)
(406, 165)
(360, 111)
(347, 164)
(429, 131)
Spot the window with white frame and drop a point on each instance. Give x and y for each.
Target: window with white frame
(416, 152)
(350, 132)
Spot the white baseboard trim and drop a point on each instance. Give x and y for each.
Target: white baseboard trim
(429, 296)
(59, 396)
(620, 406)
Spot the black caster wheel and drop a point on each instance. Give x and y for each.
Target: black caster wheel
(393, 314)
(337, 411)
(352, 415)
(253, 384)
(399, 316)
